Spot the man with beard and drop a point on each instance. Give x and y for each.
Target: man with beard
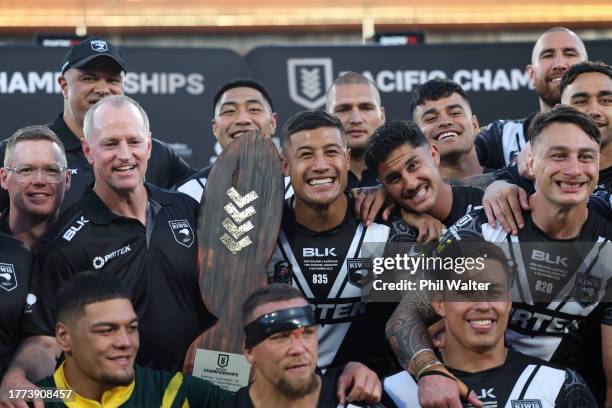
(551, 302)
(94, 69)
(97, 330)
(441, 109)
(355, 100)
(587, 87)
(554, 53)
(282, 347)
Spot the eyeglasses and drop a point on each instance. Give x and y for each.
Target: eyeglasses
(52, 173)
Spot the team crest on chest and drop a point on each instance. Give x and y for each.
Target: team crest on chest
(183, 234)
(587, 289)
(358, 269)
(8, 279)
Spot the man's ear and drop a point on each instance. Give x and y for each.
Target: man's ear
(3, 177)
(249, 356)
(61, 80)
(62, 336)
(214, 128)
(284, 165)
(273, 123)
(87, 151)
(434, 150)
(530, 73)
(438, 305)
(475, 125)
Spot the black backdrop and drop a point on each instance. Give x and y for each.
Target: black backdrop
(176, 85)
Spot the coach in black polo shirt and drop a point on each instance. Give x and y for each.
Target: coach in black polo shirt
(130, 229)
(92, 70)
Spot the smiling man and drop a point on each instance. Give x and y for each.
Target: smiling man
(555, 51)
(97, 330)
(474, 350)
(442, 111)
(130, 229)
(560, 233)
(322, 248)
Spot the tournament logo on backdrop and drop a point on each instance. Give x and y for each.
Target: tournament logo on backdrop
(223, 360)
(8, 279)
(99, 45)
(309, 79)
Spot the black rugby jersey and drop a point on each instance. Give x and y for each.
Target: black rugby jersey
(499, 143)
(465, 199)
(156, 262)
(329, 269)
(559, 283)
(195, 185)
(15, 265)
(521, 382)
(164, 169)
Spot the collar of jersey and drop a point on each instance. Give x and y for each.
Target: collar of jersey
(99, 213)
(69, 139)
(115, 397)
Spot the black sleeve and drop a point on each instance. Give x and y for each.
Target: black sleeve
(575, 393)
(51, 268)
(511, 175)
(601, 203)
(4, 197)
(489, 146)
(166, 168)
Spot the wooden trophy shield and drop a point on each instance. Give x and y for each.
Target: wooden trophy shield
(238, 224)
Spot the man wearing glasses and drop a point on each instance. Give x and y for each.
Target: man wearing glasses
(36, 178)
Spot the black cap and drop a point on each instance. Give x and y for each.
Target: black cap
(91, 48)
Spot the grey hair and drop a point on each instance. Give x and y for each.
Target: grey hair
(115, 101)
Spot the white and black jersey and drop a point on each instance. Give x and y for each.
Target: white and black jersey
(499, 143)
(465, 199)
(195, 185)
(521, 382)
(329, 268)
(15, 265)
(558, 283)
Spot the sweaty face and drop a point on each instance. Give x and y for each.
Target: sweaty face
(591, 93)
(103, 343)
(358, 108)
(286, 360)
(553, 54)
(119, 149)
(411, 177)
(317, 162)
(85, 86)
(449, 124)
(477, 324)
(565, 163)
(40, 197)
(239, 110)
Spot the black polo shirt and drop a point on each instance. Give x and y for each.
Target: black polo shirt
(157, 262)
(165, 167)
(369, 178)
(15, 265)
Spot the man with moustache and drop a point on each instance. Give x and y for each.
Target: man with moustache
(555, 51)
(94, 69)
(282, 347)
(355, 100)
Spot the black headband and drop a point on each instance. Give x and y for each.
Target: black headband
(281, 320)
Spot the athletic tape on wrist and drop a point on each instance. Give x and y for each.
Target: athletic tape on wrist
(280, 321)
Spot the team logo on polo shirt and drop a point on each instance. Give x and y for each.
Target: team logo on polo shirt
(183, 234)
(358, 270)
(99, 45)
(8, 279)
